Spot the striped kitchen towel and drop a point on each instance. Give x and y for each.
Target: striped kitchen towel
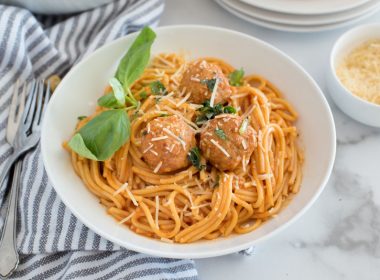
(53, 244)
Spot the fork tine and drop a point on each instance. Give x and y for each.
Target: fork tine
(46, 99)
(30, 105)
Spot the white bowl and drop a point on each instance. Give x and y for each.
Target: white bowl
(79, 90)
(355, 107)
(56, 6)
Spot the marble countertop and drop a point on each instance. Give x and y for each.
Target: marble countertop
(339, 237)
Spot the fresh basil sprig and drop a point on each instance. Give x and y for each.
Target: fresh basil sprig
(101, 137)
(236, 77)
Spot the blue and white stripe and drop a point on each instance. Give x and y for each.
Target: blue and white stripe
(53, 244)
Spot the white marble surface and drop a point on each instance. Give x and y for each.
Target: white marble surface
(339, 237)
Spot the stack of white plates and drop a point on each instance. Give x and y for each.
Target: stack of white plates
(301, 15)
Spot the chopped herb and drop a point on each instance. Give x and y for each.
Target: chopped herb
(163, 115)
(220, 133)
(158, 88)
(144, 132)
(81, 118)
(244, 126)
(207, 112)
(236, 77)
(210, 83)
(229, 110)
(143, 95)
(194, 157)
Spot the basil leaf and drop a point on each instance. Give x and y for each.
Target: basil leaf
(236, 77)
(133, 63)
(118, 91)
(229, 110)
(158, 88)
(210, 83)
(220, 133)
(108, 101)
(81, 118)
(104, 134)
(143, 95)
(194, 157)
(77, 145)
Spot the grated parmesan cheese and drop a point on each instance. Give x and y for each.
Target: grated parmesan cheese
(220, 147)
(157, 167)
(183, 100)
(126, 219)
(132, 197)
(175, 137)
(157, 210)
(359, 71)
(159, 138)
(200, 206)
(122, 188)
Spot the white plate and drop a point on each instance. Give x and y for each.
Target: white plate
(77, 94)
(306, 7)
(304, 20)
(295, 28)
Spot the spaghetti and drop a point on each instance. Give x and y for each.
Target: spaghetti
(193, 204)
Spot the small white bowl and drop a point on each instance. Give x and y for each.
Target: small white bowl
(357, 108)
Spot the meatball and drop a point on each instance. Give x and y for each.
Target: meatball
(166, 141)
(226, 142)
(198, 79)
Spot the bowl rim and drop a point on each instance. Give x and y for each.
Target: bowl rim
(221, 251)
(333, 57)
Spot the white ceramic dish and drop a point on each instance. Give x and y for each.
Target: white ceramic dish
(303, 20)
(55, 6)
(306, 7)
(355, 107)
(291, 27)
(79, 90)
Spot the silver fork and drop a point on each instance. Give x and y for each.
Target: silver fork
(27, 137)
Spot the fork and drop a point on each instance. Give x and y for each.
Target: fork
(26, 138)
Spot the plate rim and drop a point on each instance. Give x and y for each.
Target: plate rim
(220, 251)
(272, 16)
(295, 28)
(285, 9)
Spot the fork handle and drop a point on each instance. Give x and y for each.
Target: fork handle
(8, 249)
(7, 167)
(12, 159)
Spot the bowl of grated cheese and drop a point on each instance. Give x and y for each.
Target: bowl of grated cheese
(353, 78)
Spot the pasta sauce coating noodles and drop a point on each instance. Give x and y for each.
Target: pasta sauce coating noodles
(198, 202)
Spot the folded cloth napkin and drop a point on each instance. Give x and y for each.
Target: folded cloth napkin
(53, 244)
